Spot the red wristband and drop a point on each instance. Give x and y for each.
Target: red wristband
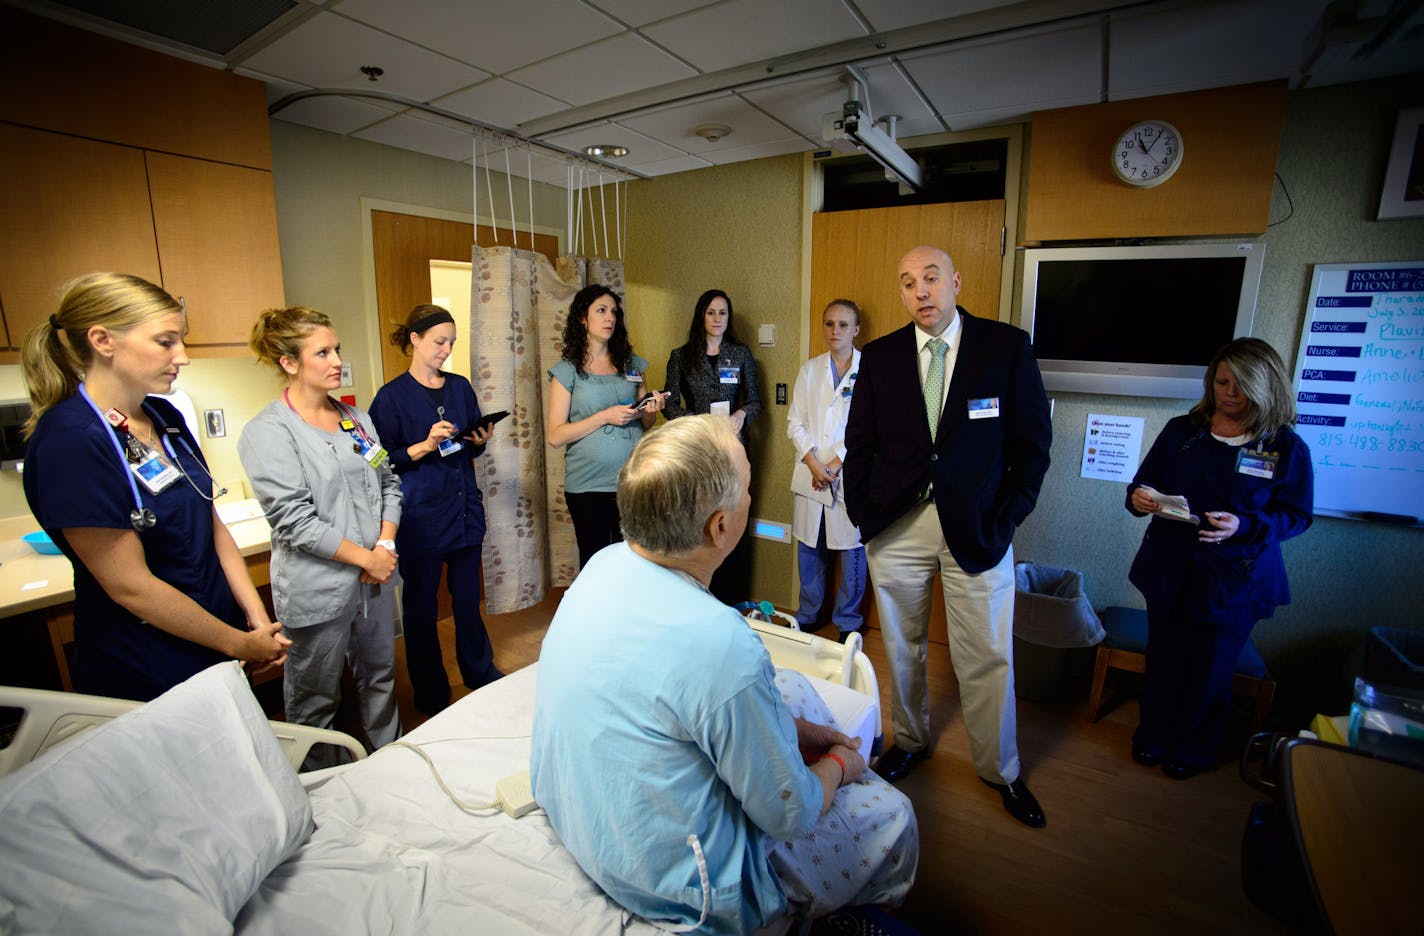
(829, 756)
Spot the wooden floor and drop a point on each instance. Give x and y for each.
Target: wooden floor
(1126, 850)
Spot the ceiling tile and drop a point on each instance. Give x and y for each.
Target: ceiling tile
(276, 87)
(494, 36)
(674, 125)
(423, 134)
(327, 51)
(669, 166)
(801, 102)
(1166, 51)
(742, 31)
(1018, 75)
(603, 70)
(337, 114)
(642, 12)
(885, 15)
(641, 149)
(501, 103)
(759, 151)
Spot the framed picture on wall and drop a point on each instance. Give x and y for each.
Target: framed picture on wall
(1403, 195)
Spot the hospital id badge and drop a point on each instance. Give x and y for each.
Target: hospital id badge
(984, 408)
(154, 472)
(375, 455)
(1256, 464)
(729, 375)
(450, 447)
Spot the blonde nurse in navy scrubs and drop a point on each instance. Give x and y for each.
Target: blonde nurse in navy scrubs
(114, 477)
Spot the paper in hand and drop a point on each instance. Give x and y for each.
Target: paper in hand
(1171, 506)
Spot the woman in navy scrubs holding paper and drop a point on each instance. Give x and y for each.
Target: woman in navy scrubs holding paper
(431, 422)
(1247, 476)
(112, 474)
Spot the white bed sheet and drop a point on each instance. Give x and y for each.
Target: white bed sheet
(392, 854)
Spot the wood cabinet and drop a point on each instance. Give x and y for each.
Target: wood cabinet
(67, 206)
(117, 158)
(1230, 137)
(216, 228)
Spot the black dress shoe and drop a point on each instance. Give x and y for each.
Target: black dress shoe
(845, 635)
(1020, 802)
(895, 764)
(1179, 771)
(1145, 757)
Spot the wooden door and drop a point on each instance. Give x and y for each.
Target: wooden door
(855, 255)
(68, 206)
(403, 246)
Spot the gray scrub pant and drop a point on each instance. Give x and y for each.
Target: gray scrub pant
(364, 637)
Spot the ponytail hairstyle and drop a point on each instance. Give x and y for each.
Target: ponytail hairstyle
(279, 333)
(56, 353)
(421, 319)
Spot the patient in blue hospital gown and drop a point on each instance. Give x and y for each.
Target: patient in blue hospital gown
(692, 783)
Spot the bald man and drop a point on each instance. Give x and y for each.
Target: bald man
(947, 445)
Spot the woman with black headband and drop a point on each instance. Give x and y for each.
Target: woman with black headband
(160, 590)
(431, 422)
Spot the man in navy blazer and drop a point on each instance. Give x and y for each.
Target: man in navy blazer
(943, 463)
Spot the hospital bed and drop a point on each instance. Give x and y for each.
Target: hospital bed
(187, 813)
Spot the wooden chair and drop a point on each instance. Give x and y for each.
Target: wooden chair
(1125, 648)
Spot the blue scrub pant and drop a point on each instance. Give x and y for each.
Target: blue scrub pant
(420, 603)
(812, 561)
(1186, 691)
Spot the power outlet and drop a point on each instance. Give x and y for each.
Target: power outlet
(346, 380)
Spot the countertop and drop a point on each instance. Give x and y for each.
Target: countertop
(29, 581)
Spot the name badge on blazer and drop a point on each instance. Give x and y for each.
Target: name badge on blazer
(729, 375)
(984, 408)
(1257, 464)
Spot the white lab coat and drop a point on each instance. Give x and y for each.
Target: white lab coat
(817, 421)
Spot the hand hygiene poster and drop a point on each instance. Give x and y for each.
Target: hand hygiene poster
(1111, 447)
(1359, 383)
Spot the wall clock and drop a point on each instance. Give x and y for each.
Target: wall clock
(1147, 153)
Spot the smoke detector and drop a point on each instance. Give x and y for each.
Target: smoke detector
(712, 132)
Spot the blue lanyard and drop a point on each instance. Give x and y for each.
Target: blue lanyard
(118, 447)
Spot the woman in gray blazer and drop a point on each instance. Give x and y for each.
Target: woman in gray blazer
(715, 373)
(713, 370)
(334, 504)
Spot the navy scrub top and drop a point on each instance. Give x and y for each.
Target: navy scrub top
(74, 479)
(443, 509)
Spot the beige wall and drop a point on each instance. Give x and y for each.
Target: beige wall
(735, 228)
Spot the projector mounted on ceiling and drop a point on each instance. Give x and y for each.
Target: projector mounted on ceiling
(853, 129)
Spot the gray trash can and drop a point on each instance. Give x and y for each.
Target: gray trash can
(1052, 615)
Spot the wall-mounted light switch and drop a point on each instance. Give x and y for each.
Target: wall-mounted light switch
(346, 380)
(781, 394)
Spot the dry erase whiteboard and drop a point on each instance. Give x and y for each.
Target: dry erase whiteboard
(1359, 383)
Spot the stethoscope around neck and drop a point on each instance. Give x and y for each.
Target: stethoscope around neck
(143, 518)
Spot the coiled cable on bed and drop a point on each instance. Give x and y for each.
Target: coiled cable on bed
(473, 810)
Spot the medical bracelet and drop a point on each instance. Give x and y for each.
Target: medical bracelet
(829, 756)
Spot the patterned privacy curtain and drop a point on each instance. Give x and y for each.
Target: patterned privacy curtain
(519, 301)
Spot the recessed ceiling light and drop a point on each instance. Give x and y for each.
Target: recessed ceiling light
(606, 151)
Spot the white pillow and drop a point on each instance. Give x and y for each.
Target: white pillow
(165, 819)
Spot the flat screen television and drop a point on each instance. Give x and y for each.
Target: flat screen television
(1138, 321)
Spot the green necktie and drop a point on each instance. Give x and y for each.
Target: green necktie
(934, 384)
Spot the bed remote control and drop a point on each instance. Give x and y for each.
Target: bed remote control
(516, 794)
